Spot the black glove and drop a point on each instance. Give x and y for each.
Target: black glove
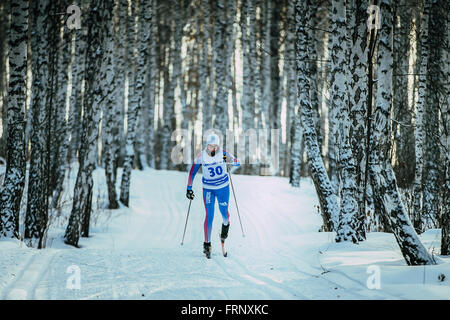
(190, 194)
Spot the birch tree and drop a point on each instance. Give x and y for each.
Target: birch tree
(293, 123)
(382, 175)
(168, 120)
(339, 100)
(114, 64)
(78, 82)
(205, 78)
(265, 97)
(327, 198)
(220, 65)
(97, 20)
(60, 138)
(357, 92)
(445, 144)
(248, 103)
(37, 199)
(135, 104)
(14, 180)
(419, 121)
(402, 129)
(435, 89)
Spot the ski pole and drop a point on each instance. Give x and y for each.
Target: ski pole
(234, 195)
(187, 217)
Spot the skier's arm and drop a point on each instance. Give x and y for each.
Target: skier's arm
(230, 159)
(194, 169)
(192, 174)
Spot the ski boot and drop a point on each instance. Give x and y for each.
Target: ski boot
(207, 249)
(223, 236)
(224, 233)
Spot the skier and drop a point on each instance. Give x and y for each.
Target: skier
(215, 185)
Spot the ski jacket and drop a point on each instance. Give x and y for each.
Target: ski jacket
(215, 175)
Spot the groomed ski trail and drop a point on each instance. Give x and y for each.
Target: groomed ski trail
(135, 252)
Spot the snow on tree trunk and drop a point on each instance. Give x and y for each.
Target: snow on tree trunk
(340, 54)
(382, 175)
(336, 53)
(78, 224)
(14, 180)
(134, 106)
(327, 198)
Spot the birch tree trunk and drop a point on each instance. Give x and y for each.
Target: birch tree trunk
(337, 27)
(150, 92)
(4, 27)
(402, 129)
(14, 180)
(420, 113)
(435, 90)
(220, 65)
(327, 198)
(265, 92)
(205, 77)
(293, 122)
(275, 85)
(61, 136)
(78, 82)
(248, 105)
(78, 224)
(445, 215)
(135, 104)
(37, 200)
(382, 175)
(113, 62)
(339, 100)
(358, 103)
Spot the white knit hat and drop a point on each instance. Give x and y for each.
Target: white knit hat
(212, 139)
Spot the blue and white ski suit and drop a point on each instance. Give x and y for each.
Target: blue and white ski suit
(215, 185)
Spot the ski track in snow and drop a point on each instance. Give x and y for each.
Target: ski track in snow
(135, 252)
(24, 286)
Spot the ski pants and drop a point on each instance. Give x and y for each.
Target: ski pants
(209, 199)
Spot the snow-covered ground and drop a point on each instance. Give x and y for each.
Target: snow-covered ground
(136, 252)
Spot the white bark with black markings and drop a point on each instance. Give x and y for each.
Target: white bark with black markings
(385, 191)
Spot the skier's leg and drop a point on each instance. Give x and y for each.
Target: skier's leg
(208, 199)
(223, 197)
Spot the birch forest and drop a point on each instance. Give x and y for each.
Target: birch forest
(353, 94)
